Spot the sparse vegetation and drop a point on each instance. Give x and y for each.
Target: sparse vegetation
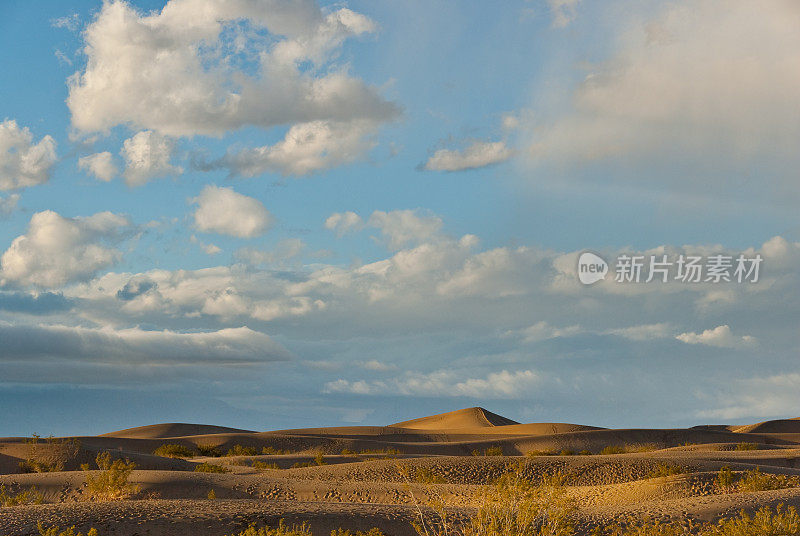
(173, 450)
(112, 482)
(281, 530)
(489, 451)
(273, 450)
(264, 465)
(613, 449)
(664, 470)
(724, 480)
(56, 531)
(206, 467)
(371, 532)
(746, 446)
(212, 495)
(319, 459)
(209, 450)
(241, 450)
(567, 452)
(50, 456)
(752, 480)
(29, 496)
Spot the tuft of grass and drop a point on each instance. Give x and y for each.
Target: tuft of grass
(30, 496)
(613, 449)
(746, 446)
(173, 450)
(765, 522)
(206, 467)
(56, 531)
(319, 459)
(425, 475)
(112, 482)
(273, 450)
(724, 479)
(241, 450)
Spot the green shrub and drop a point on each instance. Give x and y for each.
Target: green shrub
(111, 483)
(173, 450)
(212, 495)
(765, 522)
(319, 459)
(30, 496)
(724, 480)
(489, 451)
(56, 531)
(209, 450)
(206, 467)
(747, 446)
(273, 450)
(613, 449)
(241, 450)
(585, 452)
(371, 532)
(264, 465)
(567, 452)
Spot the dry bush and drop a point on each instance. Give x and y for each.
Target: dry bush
(173, 450)
(613, 449)
(371, 532)
(754, 480)
(264, 465)
(30, 496)
(281, 530)
(206, 467)
(747, 446)
(111, 483)
(56, 531)
(211, 451)
(664, 470)
(241, 450)
(50, 456)
(765, 522)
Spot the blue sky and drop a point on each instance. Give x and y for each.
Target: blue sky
(271, 214)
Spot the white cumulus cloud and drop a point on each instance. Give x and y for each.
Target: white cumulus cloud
(479, 154)
(24, 163)
(401, 227)
(101, 165)
(342, 223)
(56, 250)
(8, 204)
(222, 210)
(147, 155)
(720, 336)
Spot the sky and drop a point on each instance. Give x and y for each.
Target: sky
(275, 214)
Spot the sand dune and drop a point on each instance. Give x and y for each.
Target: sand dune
(172, 429)
(462, 418)
(359, 484)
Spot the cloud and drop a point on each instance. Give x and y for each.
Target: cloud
(22, 162)
(101, 165)
(759, 397)
(645, 332)
(342, 223)
(479, 154)
(70, 22)
(542, 331)
(40, 303)
(401, 227)
(147, 156)
(563, 11)
(720, 336)
(286, 250)
(226, 347)
(444, 383)
(307, 148)
(8, 205)
(58, 250)
(208, 67)
(221, 210)
(706, 85)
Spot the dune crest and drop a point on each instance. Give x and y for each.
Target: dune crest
(463, 418)
(172, 429)
(777, 426)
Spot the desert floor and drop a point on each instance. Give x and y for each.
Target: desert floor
(370, 476)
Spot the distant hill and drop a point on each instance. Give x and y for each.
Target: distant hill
(172, 429)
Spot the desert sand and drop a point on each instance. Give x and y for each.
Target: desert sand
(350, 477)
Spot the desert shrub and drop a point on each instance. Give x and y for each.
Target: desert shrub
(241, 450)
(746, 446)
(50, 456)
(281, 530)
(371, 532)
(173, 450)
(765, 522)
(56, 531)
(665, 470)
(212, 495)
(297, 465)
(724, 479)
(535, 453)
(585, 453)
(425, 475)
(264, 465)
(387, 453)
(30, 496)
(348, 452)
(641, 447)
(489, 451)
(209, 450)
(613, 449)
(273, 450)
(755, 480)
(111, 483)
(655, 528)
(319, 459)
(567, 452)
(206, 467)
